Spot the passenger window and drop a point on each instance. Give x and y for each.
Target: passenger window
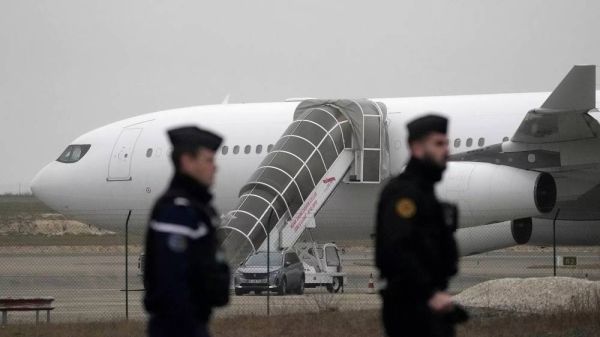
(236, 149)
(247, 149)
(457, 142)
(505, 139)
(224, 150)
(481, 142)
(269, 148)
(73, 153)
(469, 142)
(149, 153)
(158, 152)
(258, 149)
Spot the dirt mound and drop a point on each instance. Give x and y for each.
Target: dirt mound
(533, 295)
(47, 224)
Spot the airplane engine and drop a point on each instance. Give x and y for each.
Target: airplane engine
(565, 232)
(481, 239)
(487, 193)
(527, 231)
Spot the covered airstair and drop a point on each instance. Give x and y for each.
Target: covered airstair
(328, 142)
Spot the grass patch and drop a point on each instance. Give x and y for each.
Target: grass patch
(70, 240)
(11, 206)
(114, 329)
(563, 324)
(353, 323)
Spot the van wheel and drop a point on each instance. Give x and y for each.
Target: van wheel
(239, 292)
(335, 286)
(300, 289)
(282, 290)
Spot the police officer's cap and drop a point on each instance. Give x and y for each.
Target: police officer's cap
(192, 137)
(421, 127)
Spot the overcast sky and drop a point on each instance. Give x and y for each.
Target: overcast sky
(67, 67)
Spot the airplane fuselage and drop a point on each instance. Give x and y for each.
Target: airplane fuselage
(104, 184)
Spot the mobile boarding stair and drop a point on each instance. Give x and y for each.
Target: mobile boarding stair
(328, 142)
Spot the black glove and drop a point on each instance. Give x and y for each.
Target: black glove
(450, 215)
(217, 278)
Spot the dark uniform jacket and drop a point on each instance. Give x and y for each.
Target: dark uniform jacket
(415, 247)
(184, 274)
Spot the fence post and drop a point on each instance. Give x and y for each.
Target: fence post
(268, 272)
(269, 263)
(554, 239)
(127, 266)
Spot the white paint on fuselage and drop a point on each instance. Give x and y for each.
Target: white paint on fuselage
(81, 189)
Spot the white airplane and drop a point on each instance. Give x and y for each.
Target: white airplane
(516, 160)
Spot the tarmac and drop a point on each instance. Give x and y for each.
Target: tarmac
(90, 287)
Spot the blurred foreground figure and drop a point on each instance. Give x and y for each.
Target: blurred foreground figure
(185, 275)
(415, 248)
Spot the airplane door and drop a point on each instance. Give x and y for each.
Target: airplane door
(119, 168)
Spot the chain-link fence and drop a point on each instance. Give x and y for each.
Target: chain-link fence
(94, 274)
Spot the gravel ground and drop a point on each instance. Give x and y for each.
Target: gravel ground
(533, 295)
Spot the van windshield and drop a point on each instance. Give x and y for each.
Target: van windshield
(260, 260)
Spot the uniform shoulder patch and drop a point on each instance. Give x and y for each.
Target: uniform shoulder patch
(406, 208)
(181, 201)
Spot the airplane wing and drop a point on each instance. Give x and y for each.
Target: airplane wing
(563, 117)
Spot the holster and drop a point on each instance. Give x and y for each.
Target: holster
(217, 284)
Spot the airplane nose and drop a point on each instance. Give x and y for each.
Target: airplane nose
(44, 186)
(59, 187)
(35, 185)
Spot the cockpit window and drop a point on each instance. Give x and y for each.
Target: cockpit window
(73, 153)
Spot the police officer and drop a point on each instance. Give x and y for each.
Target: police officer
(185, 275)
(415, 248)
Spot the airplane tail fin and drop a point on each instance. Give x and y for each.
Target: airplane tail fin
(576, 92)
(563, 117)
